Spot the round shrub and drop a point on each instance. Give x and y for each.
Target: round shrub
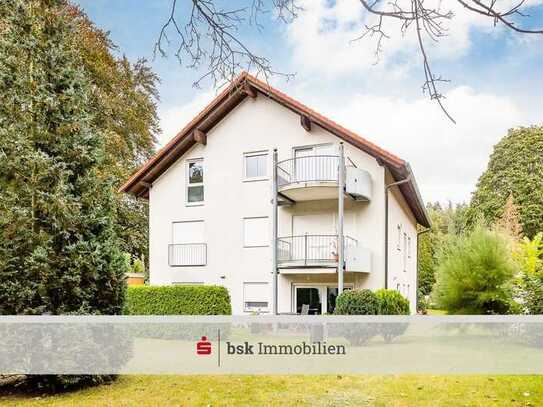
(357, 302)
(391, 302)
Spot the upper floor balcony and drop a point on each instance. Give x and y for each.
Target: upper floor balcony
(316, 177)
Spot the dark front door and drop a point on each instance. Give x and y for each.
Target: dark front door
(308, 296)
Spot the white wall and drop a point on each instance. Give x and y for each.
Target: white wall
(256, 125)
(403, 279)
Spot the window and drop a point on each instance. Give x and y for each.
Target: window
(255, 232)
(188, 232)
(256, 297)
(255, 166)
(405, 252)
(398, 287)
(188, 246)
(195, 184)
(409, 247)
(399, 242)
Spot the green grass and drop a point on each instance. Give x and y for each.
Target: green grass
(437, 312)
(331, 390)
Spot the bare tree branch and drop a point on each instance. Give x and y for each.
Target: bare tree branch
(209, 37)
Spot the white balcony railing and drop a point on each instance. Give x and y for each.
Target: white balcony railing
(187, 254)
(314, 168)
(310, 250)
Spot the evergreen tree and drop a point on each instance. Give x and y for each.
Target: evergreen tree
(515, 167)
(123, 97)
(59, 252)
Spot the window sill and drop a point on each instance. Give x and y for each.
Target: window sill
(194, 204)
(256, 179)
(255, 247)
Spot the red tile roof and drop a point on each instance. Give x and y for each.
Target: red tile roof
(230, 97)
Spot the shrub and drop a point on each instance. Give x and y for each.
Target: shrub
(391, 302)
(357, 302)
(474, 274)
(178, 300)
(529, 258)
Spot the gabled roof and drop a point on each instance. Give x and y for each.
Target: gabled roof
(246, 85)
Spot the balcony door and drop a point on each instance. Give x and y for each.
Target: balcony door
(314, 240)
(310, 168)
(317, 298)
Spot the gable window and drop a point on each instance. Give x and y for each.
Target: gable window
(256, 232)
(195, 184)
(255, 166)
(409, 247)
(399, 241)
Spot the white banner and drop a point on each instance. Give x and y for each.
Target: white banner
(270, 345)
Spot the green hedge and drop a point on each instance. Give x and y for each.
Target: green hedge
(178, 300)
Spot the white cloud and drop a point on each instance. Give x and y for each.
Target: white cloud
(174, 118)
(447, 159)
(321, 38)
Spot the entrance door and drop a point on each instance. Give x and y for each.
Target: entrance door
(309, 297)
(320, 298)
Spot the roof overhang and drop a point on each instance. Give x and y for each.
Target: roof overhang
(244, 86)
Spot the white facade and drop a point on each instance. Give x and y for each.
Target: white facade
(226, 239)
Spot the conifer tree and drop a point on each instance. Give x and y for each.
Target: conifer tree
(59, 252)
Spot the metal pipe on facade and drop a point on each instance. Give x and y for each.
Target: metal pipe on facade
(387, 187)
(274, 233)
(341, 240)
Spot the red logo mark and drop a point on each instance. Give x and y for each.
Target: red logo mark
(203, 346)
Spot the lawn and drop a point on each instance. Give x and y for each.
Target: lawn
(405, 390)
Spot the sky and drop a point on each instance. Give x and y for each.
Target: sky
(496, 79)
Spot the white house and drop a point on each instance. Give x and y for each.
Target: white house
(257, 193)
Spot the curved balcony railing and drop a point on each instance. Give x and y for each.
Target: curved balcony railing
(310, 250)
(312, 168)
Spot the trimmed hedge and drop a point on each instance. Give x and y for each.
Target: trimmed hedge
(391, 302)
(178, 300)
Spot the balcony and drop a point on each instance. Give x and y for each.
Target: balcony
(316, 177)
(308, 252)
(187, 254)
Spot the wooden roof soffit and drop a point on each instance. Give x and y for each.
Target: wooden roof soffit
(305, 121)
(249, 90)
(200, 137)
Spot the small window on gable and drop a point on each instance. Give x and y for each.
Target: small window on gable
(195, 182)
(409, 246)
(399, 237)
(255, 165)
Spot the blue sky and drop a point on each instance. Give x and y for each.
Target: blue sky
(496, 81)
